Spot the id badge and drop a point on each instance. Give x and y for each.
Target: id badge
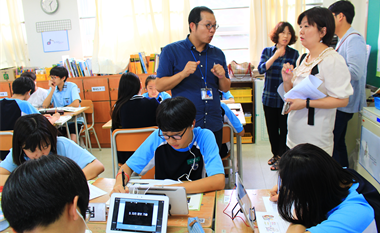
(206, 93)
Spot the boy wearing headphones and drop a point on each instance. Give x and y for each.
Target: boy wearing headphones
(178, 151)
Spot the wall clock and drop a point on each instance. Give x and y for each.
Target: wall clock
(49, 6)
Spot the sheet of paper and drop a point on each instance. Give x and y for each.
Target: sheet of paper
(269, 222)
(270, 206)
(234, 106)
(194, 201)
(307, 88)
(63, 119)
(95, 191)
(151, 182)
(71, 109)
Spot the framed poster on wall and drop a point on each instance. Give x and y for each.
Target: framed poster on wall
(55, 41)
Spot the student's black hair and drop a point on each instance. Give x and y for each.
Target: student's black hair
(32, 131)
(195, 15)
(30, 75)
(37, 192)
(22, 85)
(320, 17)
(312, 183)
(129, 85)
(345, 7)
(149, 78)
(60, 71)
(175, 114)
(280, 27)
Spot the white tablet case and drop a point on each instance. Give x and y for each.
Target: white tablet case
(178, 203)
(148, 213)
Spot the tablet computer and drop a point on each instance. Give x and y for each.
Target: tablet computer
(137, 213)
(244, 202)
(178, 203)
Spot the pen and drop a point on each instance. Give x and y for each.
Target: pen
(55, 109)
(123, 178)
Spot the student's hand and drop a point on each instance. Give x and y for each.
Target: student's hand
(273, 193)
(51, 84)
(280, 52)
(190, 68)
(287, 72)
(119, 189)
(218, 71)
(295, 104)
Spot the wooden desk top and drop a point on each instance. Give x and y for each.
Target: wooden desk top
(107, 125)
(223, 223)
(206, 212)
(101, 228)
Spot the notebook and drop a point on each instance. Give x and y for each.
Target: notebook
(137, 213)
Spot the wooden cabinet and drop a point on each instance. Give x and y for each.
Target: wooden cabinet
(43, 84)
(96, 89)
(79, 83)
(114, 86)
(5, 90)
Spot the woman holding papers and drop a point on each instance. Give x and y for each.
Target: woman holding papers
(34, 136)
(315, 194)
(271, 62)
(312, 120)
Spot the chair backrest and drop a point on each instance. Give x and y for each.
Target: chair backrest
(227, 131)
(88, 103)
(130, 140)
(6, 140)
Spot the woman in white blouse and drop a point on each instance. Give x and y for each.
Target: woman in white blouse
(317, 28)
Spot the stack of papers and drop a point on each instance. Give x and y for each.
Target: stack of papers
(66, 109)
(63, 119)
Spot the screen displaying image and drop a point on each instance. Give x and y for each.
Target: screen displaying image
(137, 215)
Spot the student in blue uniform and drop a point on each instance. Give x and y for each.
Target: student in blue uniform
(34, 136)
(227, 97)
(49, 194)
(150, 87)
(131, 109)
(63, 94)
(12, 108)
(317, 195)
(178, 151)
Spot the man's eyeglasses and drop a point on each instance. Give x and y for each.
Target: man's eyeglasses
(209, 26)
(52, 77)
(175, 137)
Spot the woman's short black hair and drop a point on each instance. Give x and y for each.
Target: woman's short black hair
(195, 15)
(312, 183)
(60, 71)
(345, 7)
(320, 17)
(22, 85)
(32, 131)
(129, 85)
(175, 114)
(149, 78)
(37, 192)
(280, 27)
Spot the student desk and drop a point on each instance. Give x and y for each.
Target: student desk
(101, 228)
(206, 212)
(75, 116)
(223, 223)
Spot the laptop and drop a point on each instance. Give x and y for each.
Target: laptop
(137, 213)
(178, 203)
(245, 202)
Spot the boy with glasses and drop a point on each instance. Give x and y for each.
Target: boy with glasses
(63, 94)
(178, 151)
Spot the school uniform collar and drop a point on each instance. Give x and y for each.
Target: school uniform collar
(137, 97)
(63, 88)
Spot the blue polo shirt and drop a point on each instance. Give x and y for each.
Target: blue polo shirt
(173, 60)
(160, 97)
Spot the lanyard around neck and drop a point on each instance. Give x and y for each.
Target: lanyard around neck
(203, 76)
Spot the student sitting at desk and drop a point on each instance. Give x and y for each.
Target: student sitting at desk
(226, 97)
(63, 94)
(12, 108)
(132, 110)
(34, 136)
(49, 194)
(150, 87)
(178, 151)
(317, 195)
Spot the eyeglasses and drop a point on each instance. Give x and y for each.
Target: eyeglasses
(175, 137)
(210, 26)
(52, 77)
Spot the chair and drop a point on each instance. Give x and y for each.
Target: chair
(129, 140)
(6, 140)
(228, 136)
(88, 103)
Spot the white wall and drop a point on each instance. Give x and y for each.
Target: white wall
(68, 9)
(360, 19)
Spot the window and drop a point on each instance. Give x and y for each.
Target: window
(87, 13)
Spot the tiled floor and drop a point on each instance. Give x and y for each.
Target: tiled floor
(256, 172)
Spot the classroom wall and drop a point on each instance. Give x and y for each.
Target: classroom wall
(372, 39)
(68, 9)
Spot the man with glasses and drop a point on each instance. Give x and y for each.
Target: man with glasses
(63, 94)
(178, 151)
(197, 70)
(49, 194)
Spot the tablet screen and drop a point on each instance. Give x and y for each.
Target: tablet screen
(137, 215)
